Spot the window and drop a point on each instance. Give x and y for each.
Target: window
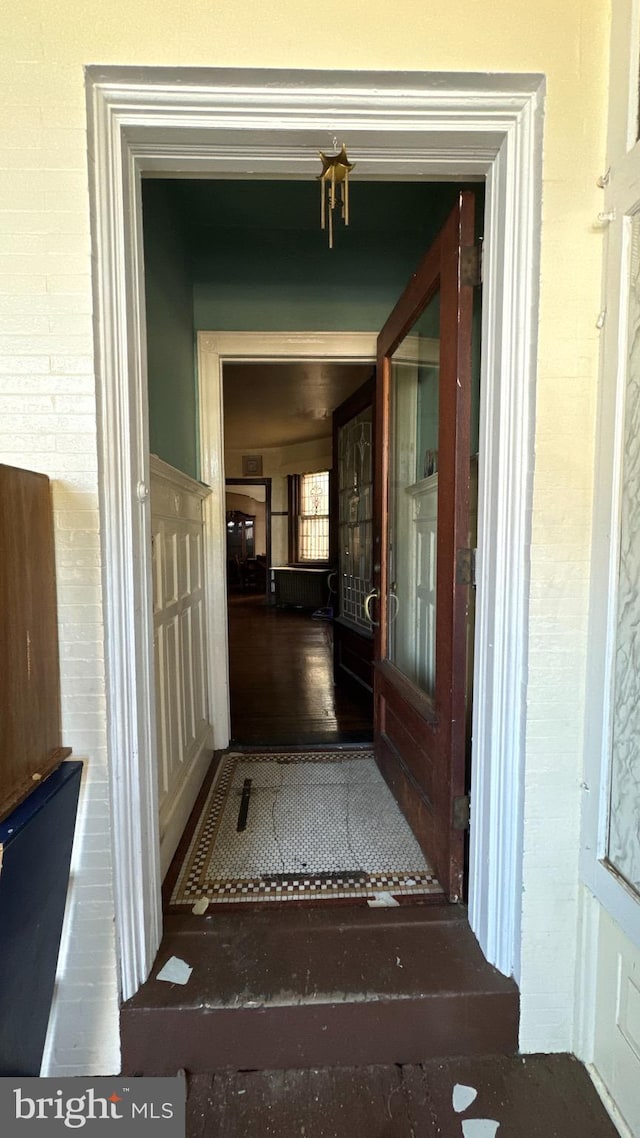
(310, 509)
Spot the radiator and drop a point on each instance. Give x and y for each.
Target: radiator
(304, 588)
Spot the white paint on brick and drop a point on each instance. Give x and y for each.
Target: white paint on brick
(41, 84)
(27, 365)
(48, 423)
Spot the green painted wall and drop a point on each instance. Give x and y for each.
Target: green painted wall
(250, 256)
(269, 268)
(170, 333)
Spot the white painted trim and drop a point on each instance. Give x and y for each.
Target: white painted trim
(214, 349)
(215, 547)
(609, 1104)
(123, 449)
(584, 1016)
(618, 898)
(352, 347)
(177, 478)
(505, 472)
(265, 123)
(621, 197)
(174, 819)
(624, 52)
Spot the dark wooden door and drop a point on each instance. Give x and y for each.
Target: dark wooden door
(352, 538)
(422, 485)
(30, 732)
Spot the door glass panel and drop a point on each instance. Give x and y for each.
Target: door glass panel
(624, 808)
(413, 500)
(355, 519)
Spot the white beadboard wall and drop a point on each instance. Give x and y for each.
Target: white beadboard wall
(184, 734)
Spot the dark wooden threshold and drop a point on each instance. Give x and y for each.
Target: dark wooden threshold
(313, 988)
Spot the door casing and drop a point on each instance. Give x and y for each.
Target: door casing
(214, 350)
(248, 123)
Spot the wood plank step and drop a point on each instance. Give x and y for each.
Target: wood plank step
(319, 987)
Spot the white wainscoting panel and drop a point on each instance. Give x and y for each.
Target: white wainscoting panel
(184, 732)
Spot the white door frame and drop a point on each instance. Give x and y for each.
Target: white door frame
(214, 350)
(228, 123)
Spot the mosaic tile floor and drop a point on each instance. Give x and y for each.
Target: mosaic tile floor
(318, 825)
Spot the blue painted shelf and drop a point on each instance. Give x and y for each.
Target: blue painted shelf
(35, 854)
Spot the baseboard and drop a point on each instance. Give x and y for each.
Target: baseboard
(176, 815)
(609, 1104)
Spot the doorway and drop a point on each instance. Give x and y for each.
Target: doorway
(248, 525)
(422, 124)
(283, 689)
(350, 356)
(421, 683)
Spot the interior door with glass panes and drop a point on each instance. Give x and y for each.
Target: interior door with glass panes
(422, 544)
(352, 539)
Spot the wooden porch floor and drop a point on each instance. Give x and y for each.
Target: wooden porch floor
(536, 1096)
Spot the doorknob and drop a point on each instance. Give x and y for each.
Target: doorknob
(373, 595)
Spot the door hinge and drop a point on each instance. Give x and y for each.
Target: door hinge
(461, 812)
(471, 265)
(466, 567)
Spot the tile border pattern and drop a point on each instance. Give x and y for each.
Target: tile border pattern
(193, 884)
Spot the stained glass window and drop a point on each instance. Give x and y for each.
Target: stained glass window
(313, 521)
(355, 519)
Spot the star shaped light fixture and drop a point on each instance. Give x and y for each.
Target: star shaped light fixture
(335, 171)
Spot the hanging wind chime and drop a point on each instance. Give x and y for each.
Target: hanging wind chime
(335, 172)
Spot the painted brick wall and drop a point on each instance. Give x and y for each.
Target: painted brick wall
(48, 423)
(560, 551)
(47, 413)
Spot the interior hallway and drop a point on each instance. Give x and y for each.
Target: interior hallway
(281, 680)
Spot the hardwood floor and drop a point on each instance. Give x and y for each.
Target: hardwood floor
(281, 674)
